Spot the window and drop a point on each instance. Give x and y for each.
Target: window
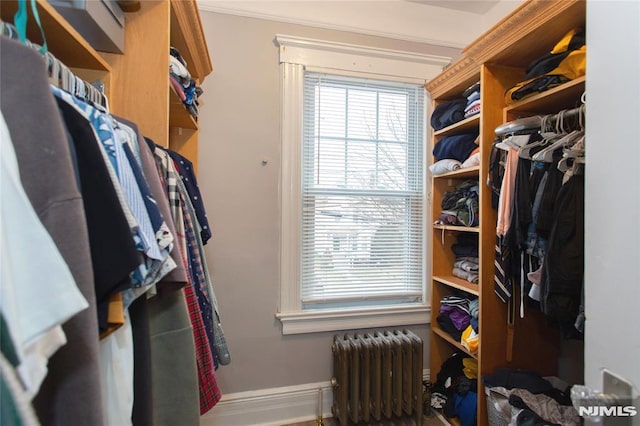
(362, 192)
(353, 186)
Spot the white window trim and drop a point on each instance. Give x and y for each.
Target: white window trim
(296, 55)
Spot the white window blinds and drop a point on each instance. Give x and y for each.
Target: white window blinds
(362, 192)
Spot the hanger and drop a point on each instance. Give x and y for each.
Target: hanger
(9, 30)
(59, 74)
(569, 139)
(573, 157)
(546, 155)
(547, 136)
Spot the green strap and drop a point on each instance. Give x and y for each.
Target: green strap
(20, 22)
(34, 9)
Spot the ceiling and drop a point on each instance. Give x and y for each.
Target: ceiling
(447, 23)
(474, 6)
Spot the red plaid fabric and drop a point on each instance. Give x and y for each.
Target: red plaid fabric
(207, 379)
(209, 391)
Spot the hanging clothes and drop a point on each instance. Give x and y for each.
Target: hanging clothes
(34, 308)
(43, 153)
(113, 252)
(546, 223)
(130, 234)
(195, 291)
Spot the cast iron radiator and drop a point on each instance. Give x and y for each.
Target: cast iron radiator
(376, 376)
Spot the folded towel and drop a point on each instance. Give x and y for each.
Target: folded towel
(444, 166)
(473, 160)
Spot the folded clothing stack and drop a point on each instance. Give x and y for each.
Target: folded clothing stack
(473, 100)
(448, 113)
(182, 83)
(455, 315)
(566, 61)
(466, 267)
(460, 206)
(466, 245)
(456, 147)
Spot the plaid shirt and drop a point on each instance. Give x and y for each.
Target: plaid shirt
(209, 391)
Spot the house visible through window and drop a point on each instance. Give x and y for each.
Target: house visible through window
(362, 190)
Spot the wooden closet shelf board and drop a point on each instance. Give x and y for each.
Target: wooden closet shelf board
(62, 39)
(471, 123)
(188, 37)
(456, 228)
(444, 335)
(458, 283)
(178, 114)
(554, 99)
(460, 173)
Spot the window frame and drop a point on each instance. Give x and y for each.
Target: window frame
(296, 56)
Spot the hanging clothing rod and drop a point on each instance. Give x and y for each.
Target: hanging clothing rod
(573, 118)
(62, 76)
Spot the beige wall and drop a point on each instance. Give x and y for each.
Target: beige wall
(240, 127)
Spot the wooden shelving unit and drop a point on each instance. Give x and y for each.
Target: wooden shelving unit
(136, 82)
(148, 99)
(497, 60)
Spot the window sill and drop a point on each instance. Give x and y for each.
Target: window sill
(335, 320)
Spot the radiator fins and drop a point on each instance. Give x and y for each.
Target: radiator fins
(377, 376)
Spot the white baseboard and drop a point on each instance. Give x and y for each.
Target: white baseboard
(273, 406)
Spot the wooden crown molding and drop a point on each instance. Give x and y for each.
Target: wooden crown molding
(513, 28)
(530, 22)
(456, 74)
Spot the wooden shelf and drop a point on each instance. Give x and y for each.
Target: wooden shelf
(467, 172)
(445, 336)
(472, 122)
(188, 37)
(62, 39)
(497, 59)
(555, 99)
(458, 283)
(178, 114)
(457, 228)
